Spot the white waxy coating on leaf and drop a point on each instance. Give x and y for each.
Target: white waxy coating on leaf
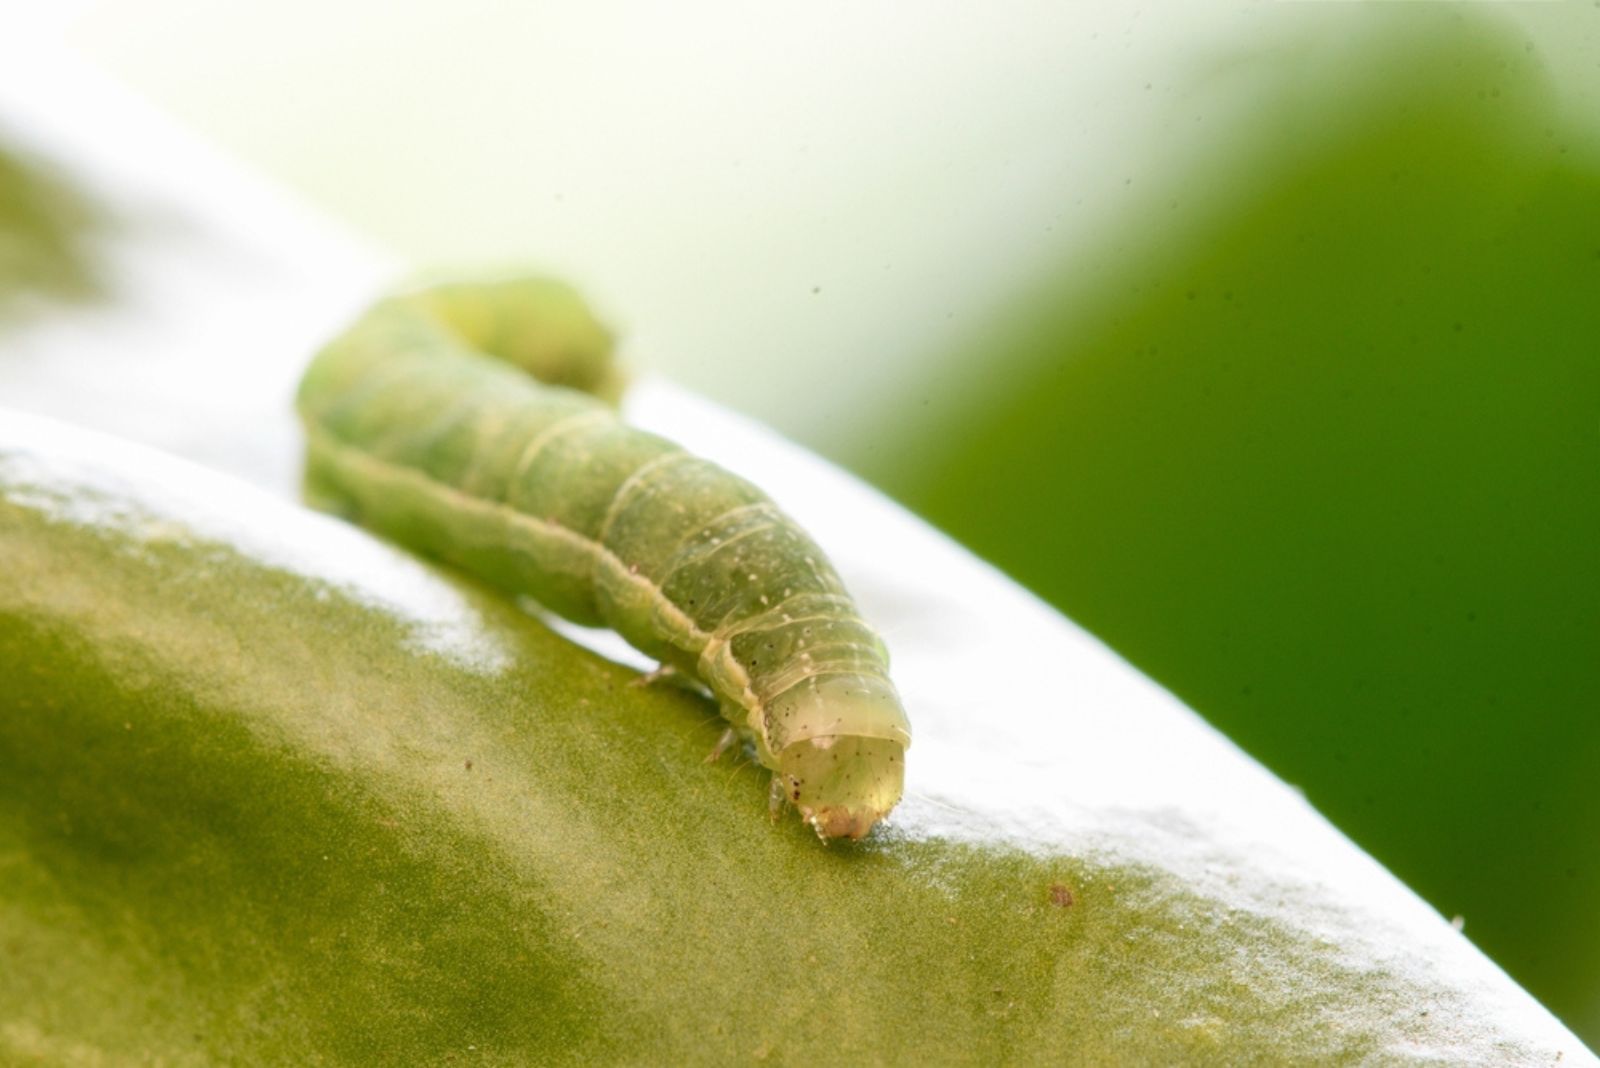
(194, 499)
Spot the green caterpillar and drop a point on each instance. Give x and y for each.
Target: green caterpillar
(470, 421)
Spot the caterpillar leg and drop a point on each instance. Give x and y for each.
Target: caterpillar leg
(725, 743)
(777, 797)
(662, 671)
(670, 675)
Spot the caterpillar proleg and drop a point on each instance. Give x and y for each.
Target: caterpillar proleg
(471, 422)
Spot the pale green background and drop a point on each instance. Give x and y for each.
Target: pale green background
(799, 209)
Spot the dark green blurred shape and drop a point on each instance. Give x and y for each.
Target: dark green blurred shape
(45, 229)
(1328, 466)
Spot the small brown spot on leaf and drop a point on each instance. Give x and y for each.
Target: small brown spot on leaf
(1061, 895)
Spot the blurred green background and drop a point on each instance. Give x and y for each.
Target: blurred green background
(1264, 341)
(1326, 462)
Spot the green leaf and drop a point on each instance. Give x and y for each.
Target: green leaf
(273, 792)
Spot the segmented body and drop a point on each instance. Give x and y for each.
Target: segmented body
(434, 420)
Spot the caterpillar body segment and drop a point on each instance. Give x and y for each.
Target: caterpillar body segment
(471, 422)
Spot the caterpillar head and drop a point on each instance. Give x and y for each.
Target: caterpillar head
(842, 784)
(842, 763)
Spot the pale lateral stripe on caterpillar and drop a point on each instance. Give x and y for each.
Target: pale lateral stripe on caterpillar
(470, 421)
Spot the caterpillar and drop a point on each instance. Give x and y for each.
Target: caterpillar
(474, 421)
